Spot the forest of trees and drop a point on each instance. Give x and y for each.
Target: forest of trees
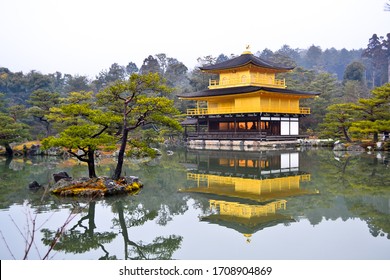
(354, 100)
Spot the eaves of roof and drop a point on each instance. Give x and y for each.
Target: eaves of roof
(244, 89)
(243, 60)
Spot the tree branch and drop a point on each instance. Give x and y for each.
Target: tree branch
(32, 234)
(100, 132)
(140, 121)
(128, 112)
(59, 233)
(80, 158)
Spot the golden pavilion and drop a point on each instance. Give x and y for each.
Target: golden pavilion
(246, 102)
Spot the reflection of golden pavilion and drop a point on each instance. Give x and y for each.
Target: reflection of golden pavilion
(259, 190)
(246, 211)
(248, 191)
(247, 218)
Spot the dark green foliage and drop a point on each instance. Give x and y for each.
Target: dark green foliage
(367, 116)
(83, 128)
(131, 68)
(353, 91)
(337, 121)
(354, 72)
(151, 65)
(314, 57)
(341, 76)
(378, 55)
(11, 131)
(114, 73)
(373, 114)
(221, 58)
(139, 102)
(76, 83)
(41, 102)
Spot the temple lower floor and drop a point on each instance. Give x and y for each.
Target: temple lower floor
(255, 127)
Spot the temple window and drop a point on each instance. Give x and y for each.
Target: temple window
(242, 126)
(264, 125)
(226, 126)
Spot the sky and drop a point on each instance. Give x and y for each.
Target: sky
(84, 37)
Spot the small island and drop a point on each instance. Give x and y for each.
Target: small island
(96, 187)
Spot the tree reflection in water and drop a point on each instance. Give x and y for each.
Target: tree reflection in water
(82, 237)
(227, 191)
(162, 248)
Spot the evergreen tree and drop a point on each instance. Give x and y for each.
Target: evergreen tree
(2, 103)
(386, 49)
(114, 73)
(328, 86)
(313, 57)
(198, 80)
(76, 83)
(338, 120)
(206, 60)
(83, 128)
(131, 68)
(176, 73)
(11, 131)
(354, 72)
(17, 112)
(221, 58)
(333, 62)
(377, 55)
(286, 56)
(373, 113)
(150, 65)
(266, 54)
(138, 103)
(41, 102)
(353, 91)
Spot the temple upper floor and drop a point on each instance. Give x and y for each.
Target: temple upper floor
(247, 84)
(246, 70)
(246, 78)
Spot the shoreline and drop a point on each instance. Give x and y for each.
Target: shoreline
(33, 148)
(233, 145)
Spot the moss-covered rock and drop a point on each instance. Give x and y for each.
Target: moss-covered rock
(96, 187)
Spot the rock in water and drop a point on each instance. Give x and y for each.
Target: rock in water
(61, 175)
(34, 185)
(355, 148)
(339, 147)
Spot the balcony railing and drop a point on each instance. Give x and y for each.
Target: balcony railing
(230, 110)
(253, 81)
(228, 135)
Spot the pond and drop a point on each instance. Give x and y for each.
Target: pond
(198, 205)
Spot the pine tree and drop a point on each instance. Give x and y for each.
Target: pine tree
(338, 120)
(138, 103)
(373, 113)
(83, 128)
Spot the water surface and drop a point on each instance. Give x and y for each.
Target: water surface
(311, 204)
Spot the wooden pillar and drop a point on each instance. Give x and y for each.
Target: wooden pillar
(197, 126)
(259, 126)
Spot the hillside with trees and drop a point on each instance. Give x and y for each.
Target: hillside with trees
(354, 100)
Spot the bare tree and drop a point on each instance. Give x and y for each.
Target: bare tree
(29, 235)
